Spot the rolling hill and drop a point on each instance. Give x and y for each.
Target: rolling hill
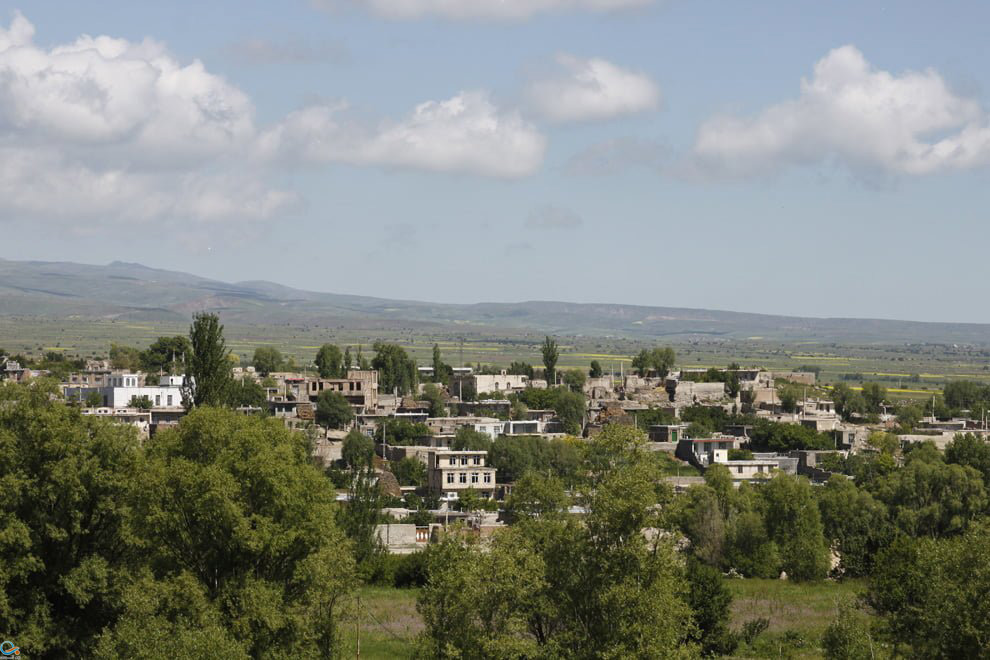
(134, 292)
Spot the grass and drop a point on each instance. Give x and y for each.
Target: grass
(798, 613)
(673, 467)
(388, 622)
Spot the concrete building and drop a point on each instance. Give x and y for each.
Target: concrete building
(450, 472)
(711, 450)
(139, 419)
(122, 388)
(490, 426)
(523, 427)
(403, 539)
(360, 388)
(501, 382)
(752, 469)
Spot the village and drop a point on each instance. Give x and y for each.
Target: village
(435, 428)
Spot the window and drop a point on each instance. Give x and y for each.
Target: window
(453, 460)
(463, 478)
(170, 399)
(474, 477)
(488, 477)
(464, 460)
(450, 477)
(739, 469)
(158, 399)
(477, 460)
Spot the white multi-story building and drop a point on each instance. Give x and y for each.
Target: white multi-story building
(122, 388)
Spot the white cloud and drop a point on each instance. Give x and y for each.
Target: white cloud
(870, 120)
(478, 9)
(590, 89)
(102, 129)
(466, 133)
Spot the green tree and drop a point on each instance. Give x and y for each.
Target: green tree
(847, 402)
(347, 358)
(357, 450)
(409, 471)
(333, 410)
(874, 394)
(662, 361)
(558, 587)
(235, 502)
(170, 617)
(596, 370)
(932, 498)
(208, 373)
(794, 523)
(467, 439)
(396, 370)
(140, 402)
(848, 635)
(550, 353)
(125, 357)
(710, 599)
(967, 449)
(571, 409)
(442, 373)
(330, 362)
(855, 523)
(398, 431)
(749, 549)
(166, 354)
(432, 394)
(64, 519)
(788, 396)
(267, 359)
(521, 369)
(94, 399)
(248, 392)
(575, 379)
(535, 496)
(931, 595)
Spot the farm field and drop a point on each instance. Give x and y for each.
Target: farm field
(908, 371)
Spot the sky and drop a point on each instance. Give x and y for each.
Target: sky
(792, 157)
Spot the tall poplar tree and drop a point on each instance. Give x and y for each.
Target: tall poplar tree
(208, 375)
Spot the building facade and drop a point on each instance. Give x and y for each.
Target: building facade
(451, 472)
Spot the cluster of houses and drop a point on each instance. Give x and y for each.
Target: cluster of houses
(292, 397)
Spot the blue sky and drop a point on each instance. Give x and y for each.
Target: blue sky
(822, 159)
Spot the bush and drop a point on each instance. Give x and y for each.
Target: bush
(410, 570)
(754, 628)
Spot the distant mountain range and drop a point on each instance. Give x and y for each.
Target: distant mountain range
(135, 292)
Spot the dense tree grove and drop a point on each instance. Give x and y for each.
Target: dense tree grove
(396, 370)
(330, 362)
(658, 361)
(332, 410)
(553, 587)
(213, 539)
